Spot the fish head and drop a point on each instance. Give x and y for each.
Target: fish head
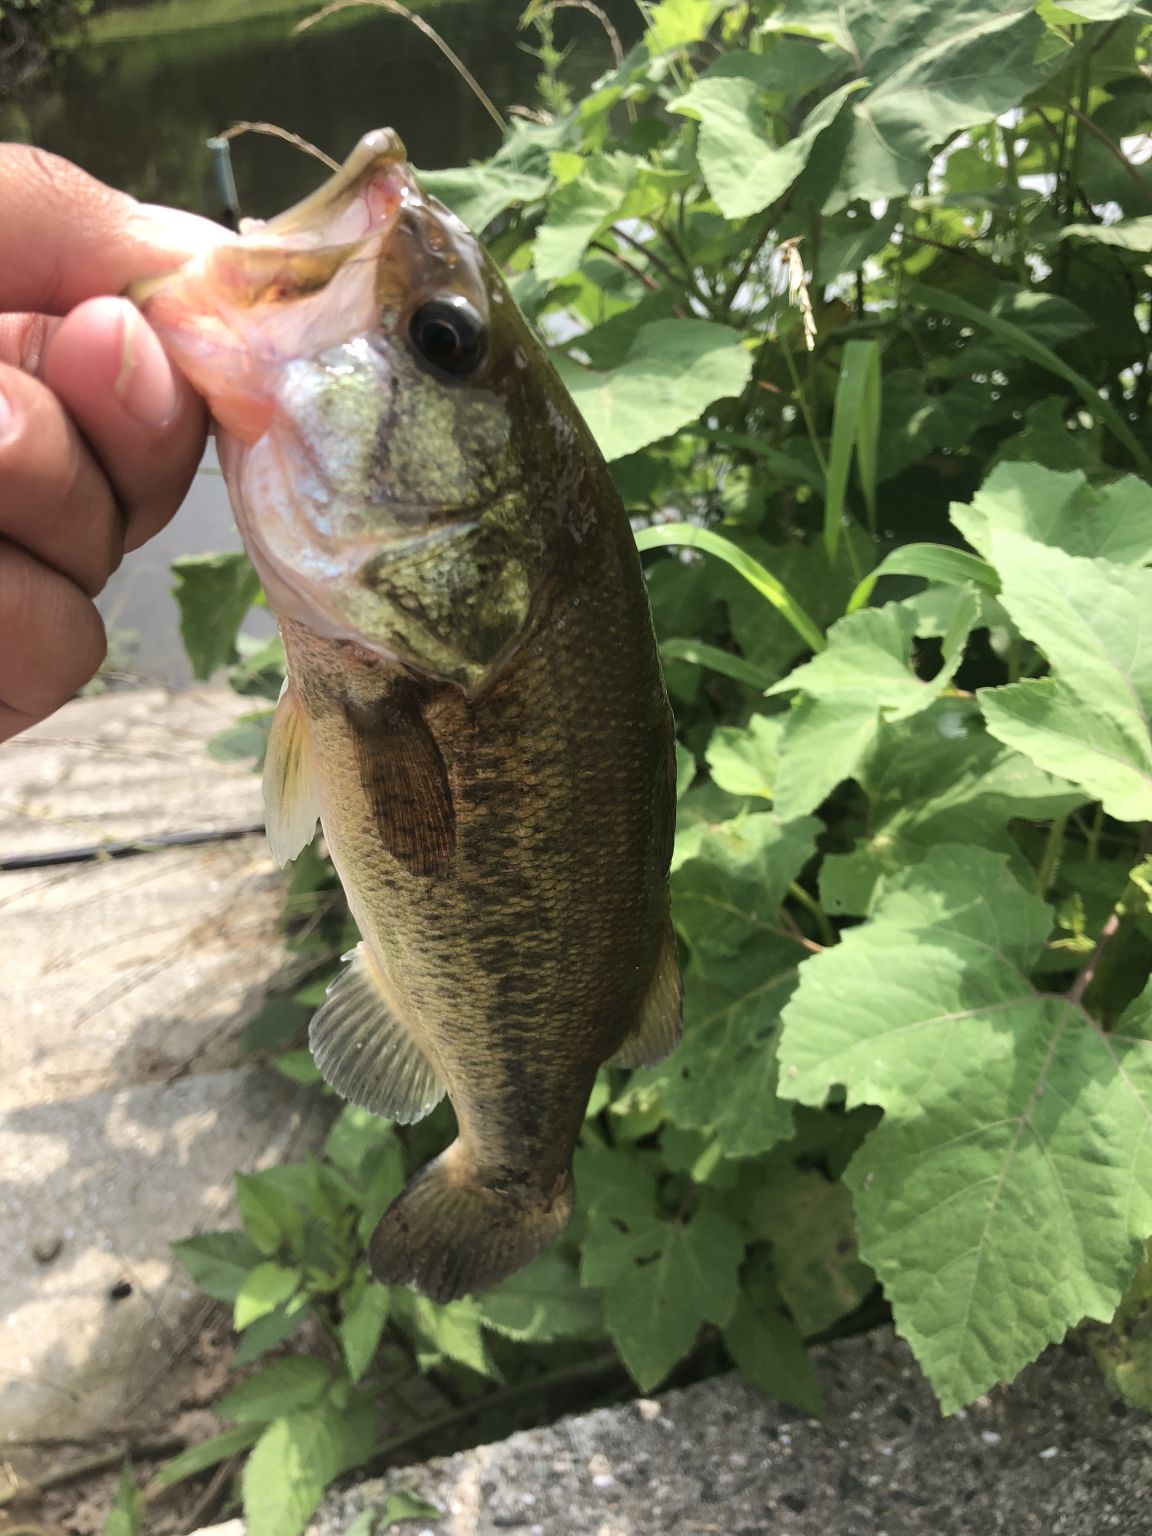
(404, 465)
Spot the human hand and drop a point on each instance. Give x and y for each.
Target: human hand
(99, 435)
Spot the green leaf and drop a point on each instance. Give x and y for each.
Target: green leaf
(731, 890)
(935, 562)
(277, 1022)
(271, 1218)
(864, 677)
(1127, 234)
(264, 1288)
(1089, 721)
(937, 777)
(452, 1331)
(291, 1465)
(357, 1137)
(743, 759)
(272, 1330)
(298, 1066)
(1019, 340)
(662, 1278)
(1006, 1191)
(208, 1453)
(297, 1381)
(1110, 522)
(126, 1517)
(407, 1506)
(581, 210)
(767, 1345)
(542, 1303)
(938, 67)
(1123, 1348)
(480, 193)
(808, 1220)
(723, 1075)
(218, 1262)
(743, 165)
(361, 1327)
(214, 593)
(688, 536)
(855, 428)
(675, 23)
(673, 371)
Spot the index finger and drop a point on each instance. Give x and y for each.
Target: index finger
(71, 238)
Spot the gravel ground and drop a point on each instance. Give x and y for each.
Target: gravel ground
(1055, 1455)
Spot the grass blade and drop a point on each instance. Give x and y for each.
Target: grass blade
(935, 562)
(688, 536)
(855, 426)
(711, 656)
(1020, 341)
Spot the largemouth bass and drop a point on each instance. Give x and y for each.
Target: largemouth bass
(474, 708)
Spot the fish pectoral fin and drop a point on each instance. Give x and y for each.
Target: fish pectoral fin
(290, 808)
(365, 1052)
(658, 1031)
(405, 780)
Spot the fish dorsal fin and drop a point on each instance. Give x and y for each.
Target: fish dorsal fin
(405, 780)
(290, 809)
(655, 1036)
(364, 1051)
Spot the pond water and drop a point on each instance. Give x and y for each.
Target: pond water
(137, 112)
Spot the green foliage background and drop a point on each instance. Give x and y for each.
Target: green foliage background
(899, 546)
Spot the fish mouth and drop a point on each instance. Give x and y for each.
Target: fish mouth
(298, 252)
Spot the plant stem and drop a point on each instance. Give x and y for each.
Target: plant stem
(801, 400)
(812, 906)
(1093, 844)
(1050, 863)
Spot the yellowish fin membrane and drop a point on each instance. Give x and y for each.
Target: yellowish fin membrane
(452, 1231)
(658, 1031)
(363, 1050)
(290, 808)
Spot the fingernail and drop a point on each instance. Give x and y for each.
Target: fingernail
(8, 421)
(145, 384)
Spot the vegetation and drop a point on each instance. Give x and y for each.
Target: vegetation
(856, 301)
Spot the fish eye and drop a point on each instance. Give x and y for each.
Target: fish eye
(449, 333)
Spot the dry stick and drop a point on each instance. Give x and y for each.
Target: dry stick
(594, 10)
(1111, 146)
(275, 132)
(421, 26)
(1087, 974)
(145, 1451)
(629, 266)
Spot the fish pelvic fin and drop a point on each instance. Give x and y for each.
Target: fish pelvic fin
(364, 1050)
(658, 1030)
(290, 808)
(456, 1229)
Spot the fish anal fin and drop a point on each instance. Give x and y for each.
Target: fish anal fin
(658, 1030)
(363, 1050)
(290, 807)
(453, 1231)
(406, 782)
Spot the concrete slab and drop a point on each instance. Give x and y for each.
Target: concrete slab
(123, 989)
(92, 1192)
(1054, 1455)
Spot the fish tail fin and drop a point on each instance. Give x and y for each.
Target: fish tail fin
(451, 1233)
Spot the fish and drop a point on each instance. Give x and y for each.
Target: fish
(473, 708)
